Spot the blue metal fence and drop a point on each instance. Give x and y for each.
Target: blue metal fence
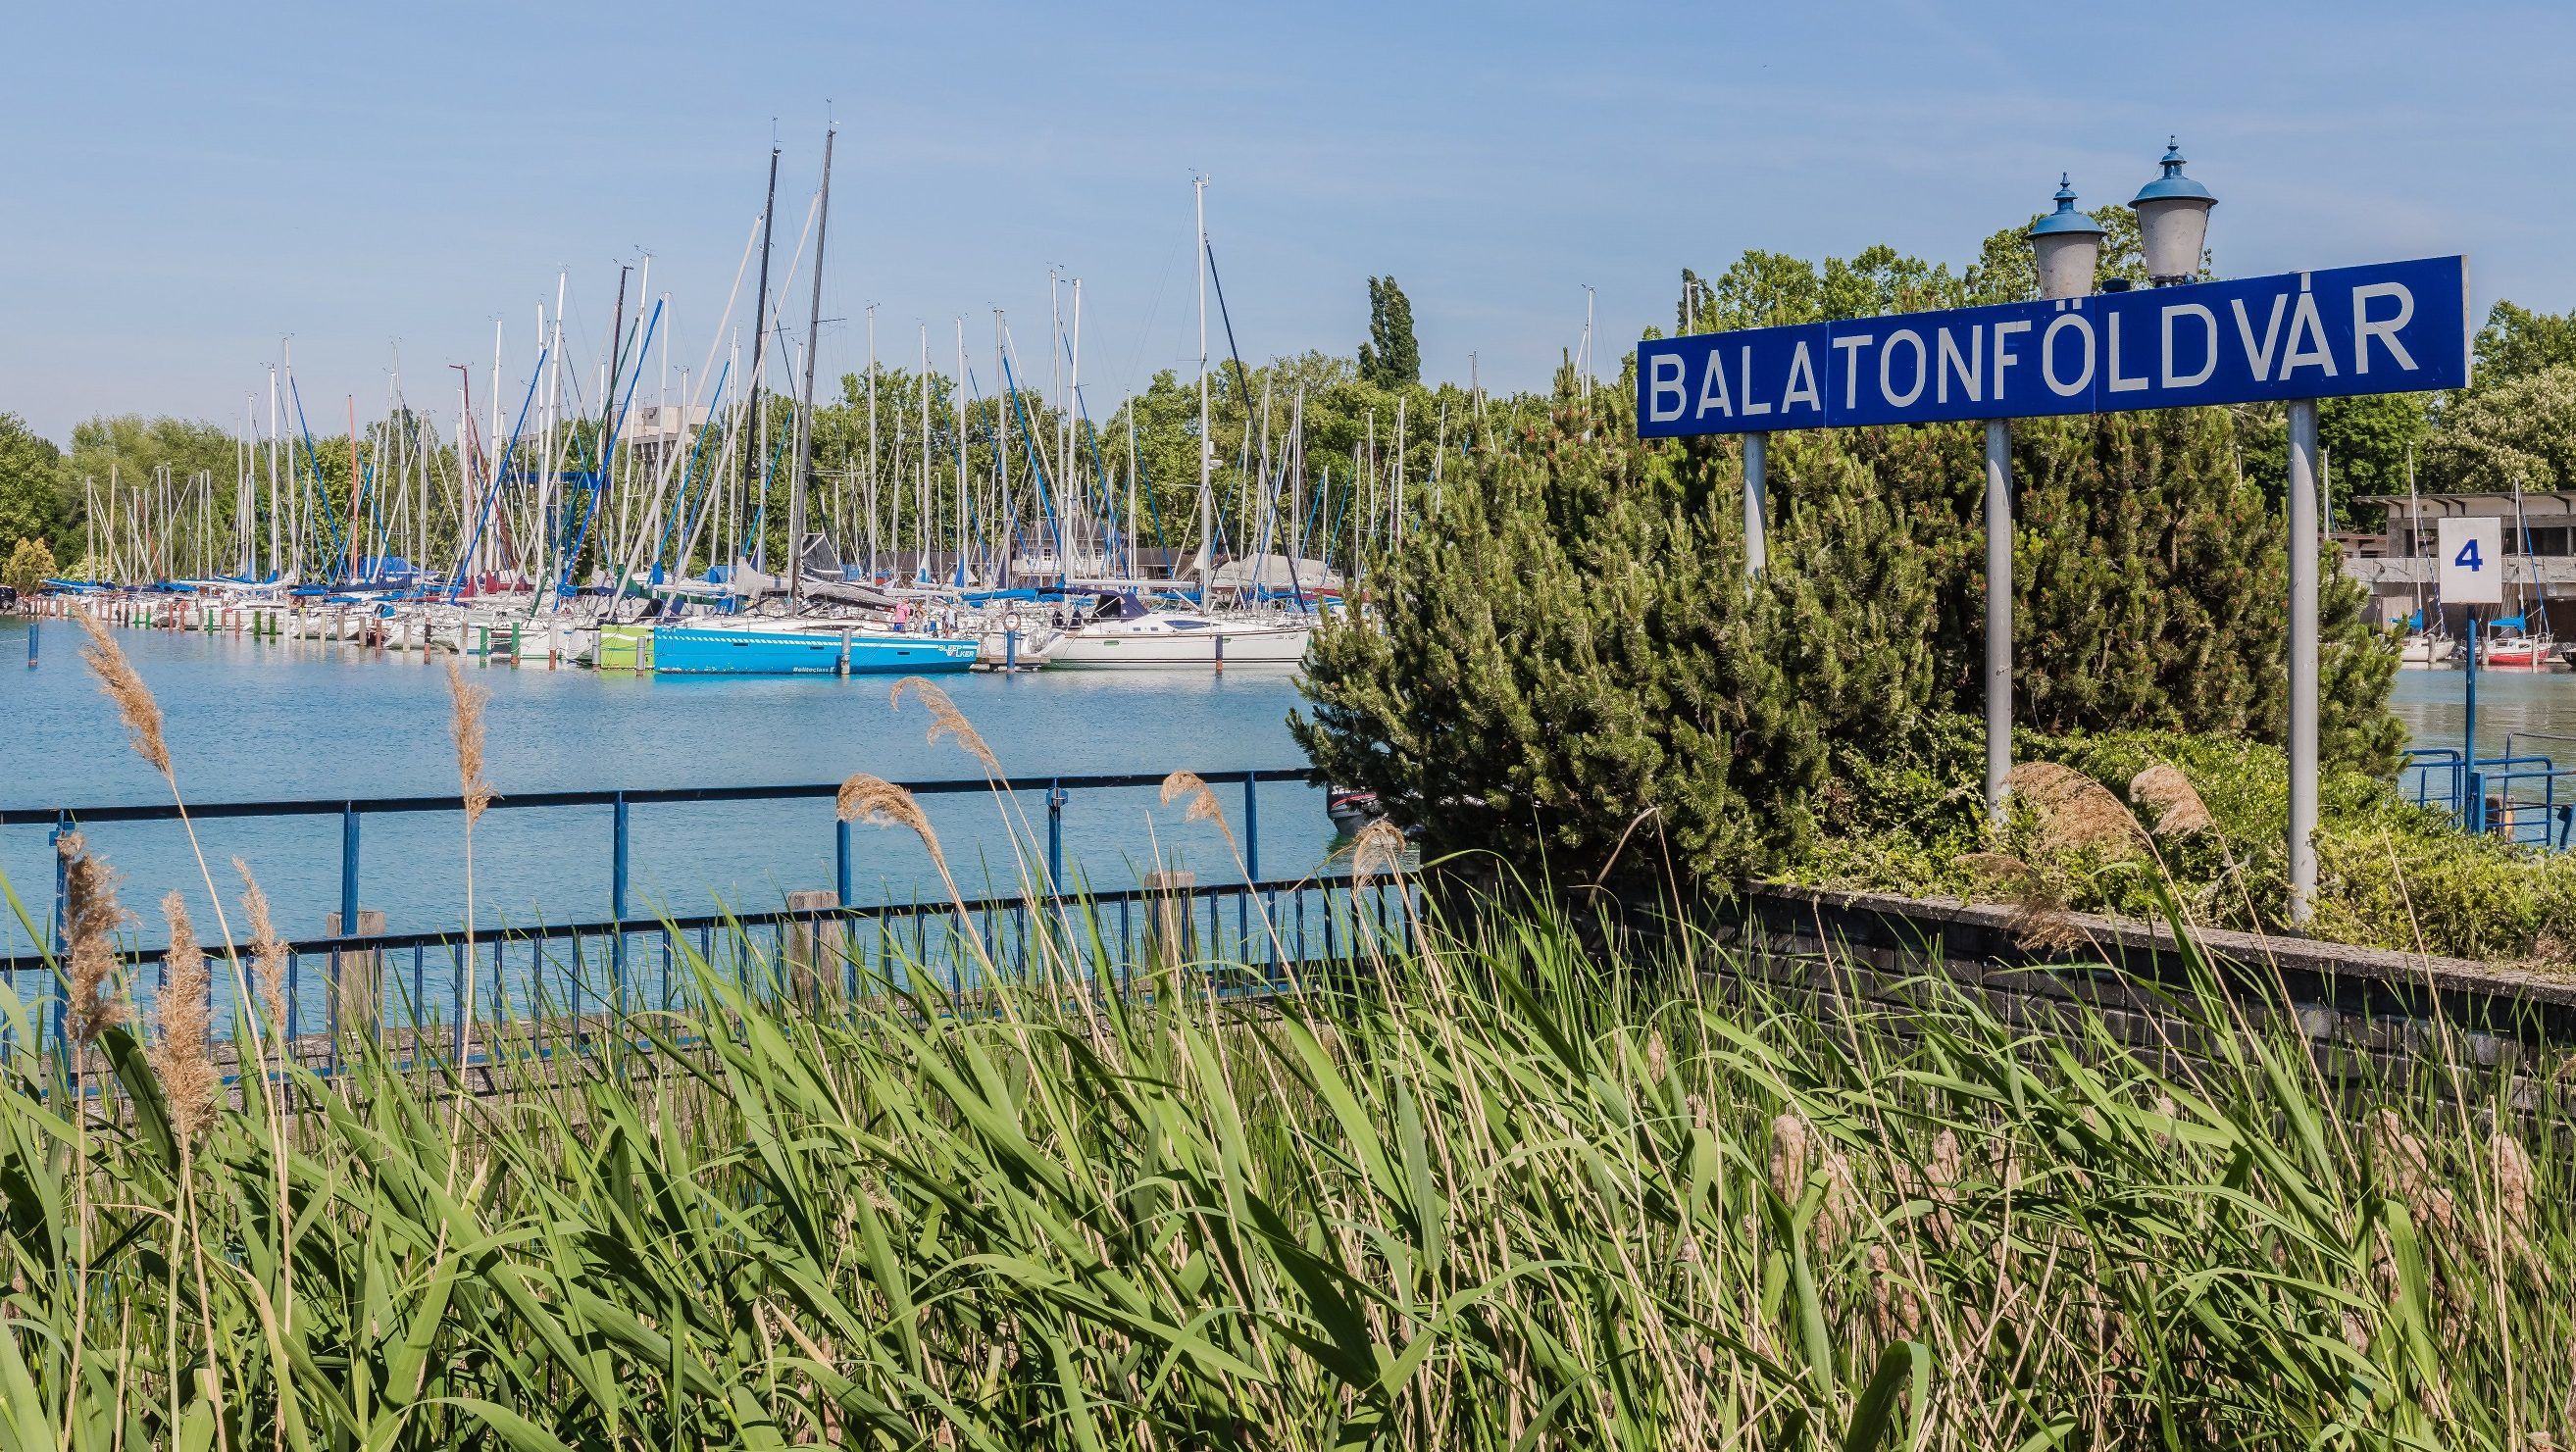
(1243, 935)
(2522, 797)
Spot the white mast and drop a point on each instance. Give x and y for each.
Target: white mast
(872, 441)
(273, 567)
(921, 518)
(957, 409)
(1065, 463)
(1207, 439)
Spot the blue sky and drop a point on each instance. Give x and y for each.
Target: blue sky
(189, 183)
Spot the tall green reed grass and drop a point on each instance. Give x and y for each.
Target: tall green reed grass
(1501, 1189)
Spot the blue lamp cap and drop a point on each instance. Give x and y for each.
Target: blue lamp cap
(2065, 218)
(2173, 185)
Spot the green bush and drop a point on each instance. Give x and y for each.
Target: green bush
(2390, 874)
(1568, 668)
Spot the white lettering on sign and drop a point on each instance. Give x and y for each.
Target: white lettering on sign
(2217, 342)
(1850, 364)
(1887, 367)
(1664, 380)
(2111, 369)
(2209, 332)
(2083, 328)
(1712, 387)
(1801, 366)
(2005, 357)
(2304, 323)
(2365, 328)
(1970, 367)
(2260, 357)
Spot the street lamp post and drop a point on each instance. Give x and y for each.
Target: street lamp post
(2066, 247)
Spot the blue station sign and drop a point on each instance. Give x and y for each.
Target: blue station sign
(2392, 327)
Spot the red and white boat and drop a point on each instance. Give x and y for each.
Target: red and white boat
(2515, 652)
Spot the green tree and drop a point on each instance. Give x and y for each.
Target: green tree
(31, 563)
(2517, 343)
(2499, 434)
(1390, 358)
(31, 497)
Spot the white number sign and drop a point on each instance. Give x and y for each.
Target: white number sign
(2471, 552)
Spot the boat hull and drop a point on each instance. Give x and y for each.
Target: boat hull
(1159, 650)
(691, 651)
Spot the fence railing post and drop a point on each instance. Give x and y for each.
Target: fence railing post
(1252, 826)
(348, 871)
(1055, 800)
(617, 903)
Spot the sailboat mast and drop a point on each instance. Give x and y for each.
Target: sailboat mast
(1207, 439)
(921, 511)
(2414, 536)
(872, 441)
(957, 409)
(805, 403)
(274, 568)
(755, 460)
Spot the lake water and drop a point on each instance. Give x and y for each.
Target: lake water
(273, 720)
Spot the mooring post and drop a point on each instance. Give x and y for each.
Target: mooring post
(1757, 549)
(841, 858)
(2303, 659)
(1999, 616)
(33, 626)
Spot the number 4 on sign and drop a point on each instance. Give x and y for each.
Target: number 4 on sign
(2466, 545)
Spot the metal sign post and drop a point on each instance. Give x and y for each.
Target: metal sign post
(2396, 327)
(2304, 547)
(1999, 614)
(2470, 556)
(1757, 545)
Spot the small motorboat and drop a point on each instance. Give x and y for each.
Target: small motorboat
(1351, 808)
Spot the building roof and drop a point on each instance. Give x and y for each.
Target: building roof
(2550, 502)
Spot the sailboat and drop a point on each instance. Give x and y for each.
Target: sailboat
(2524, 648)
(1118, 630)
(2422, 646)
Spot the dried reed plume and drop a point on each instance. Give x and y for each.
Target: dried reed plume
(1789, 1155)
(181, 1056)
(1203, 802)
(2170, 795)
(1794, 1143)
(2040, 920)
(1378, 851)
(268, 954)
(880, 803)
(945, 719)
(91, 918)
(466, 727)
(118, 682)
(2406, 1166)
(2073, 810)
